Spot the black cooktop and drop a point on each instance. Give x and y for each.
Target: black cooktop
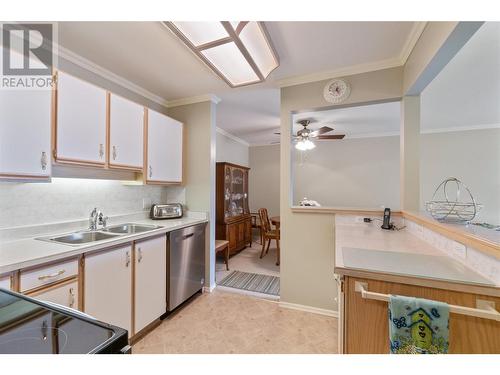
(28, 326)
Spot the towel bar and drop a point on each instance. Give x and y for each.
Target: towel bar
(487, 310)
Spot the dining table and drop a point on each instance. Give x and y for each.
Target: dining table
(275, 220)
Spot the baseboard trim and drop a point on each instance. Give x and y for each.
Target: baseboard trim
(314, 310)
(209, 289)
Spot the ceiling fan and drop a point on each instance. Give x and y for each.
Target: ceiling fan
(304, 136)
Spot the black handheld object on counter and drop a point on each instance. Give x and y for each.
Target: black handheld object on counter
(386, 224)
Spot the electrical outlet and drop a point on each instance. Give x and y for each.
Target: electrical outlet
(146, 203)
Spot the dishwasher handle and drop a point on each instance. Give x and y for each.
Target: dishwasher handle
(185, 237)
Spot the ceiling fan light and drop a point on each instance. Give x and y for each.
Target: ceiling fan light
(305, 145)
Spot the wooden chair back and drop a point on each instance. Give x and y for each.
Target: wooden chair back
(264, 220)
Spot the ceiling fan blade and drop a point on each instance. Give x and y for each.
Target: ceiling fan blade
(323, 130)
(336, 136)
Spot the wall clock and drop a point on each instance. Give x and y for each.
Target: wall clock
(336, 91)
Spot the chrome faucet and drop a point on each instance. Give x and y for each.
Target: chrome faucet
(93, 219)
(97, 218)
(101, 219)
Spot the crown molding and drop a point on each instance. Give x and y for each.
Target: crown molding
(411, 41)
(86, 64)
(452, 129)
(351, 70)
(231, 136)
(194, 99)
(264, 144)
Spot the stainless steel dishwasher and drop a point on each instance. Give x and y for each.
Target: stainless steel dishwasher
(186, 264)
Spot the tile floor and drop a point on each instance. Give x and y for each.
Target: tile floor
(248, 260)
(222, 322)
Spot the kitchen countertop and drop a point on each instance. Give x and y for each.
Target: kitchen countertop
(18, 253)
(362, 248)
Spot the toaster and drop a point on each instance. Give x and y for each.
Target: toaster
(165, 211)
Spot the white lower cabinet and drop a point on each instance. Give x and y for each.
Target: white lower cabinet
(150, 281)
(108, 286)
(65, 294)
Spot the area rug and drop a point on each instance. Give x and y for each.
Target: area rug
(252, 282)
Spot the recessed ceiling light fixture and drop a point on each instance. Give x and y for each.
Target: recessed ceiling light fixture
(238, 52)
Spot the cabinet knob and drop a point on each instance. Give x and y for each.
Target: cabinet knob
(150, 171)
(139, 258)
(43, 161)
(127, 261)
(101, 150)
(114, 153)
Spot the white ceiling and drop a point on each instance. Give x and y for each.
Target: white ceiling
(150, 56)
(372, 120)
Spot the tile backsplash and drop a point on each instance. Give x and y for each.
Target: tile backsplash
(68, 199)
(482, 263)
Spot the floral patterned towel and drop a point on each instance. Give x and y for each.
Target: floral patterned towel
(418, 326)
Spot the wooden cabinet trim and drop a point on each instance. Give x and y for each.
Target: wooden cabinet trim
(364, 335)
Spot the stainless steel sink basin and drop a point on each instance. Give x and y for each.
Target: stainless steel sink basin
(82, 237)
(130, 228)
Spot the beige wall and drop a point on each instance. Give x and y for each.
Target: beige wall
(264, 179)
(356, 173)
(308, 238)
(199, 164)
(231, 151)
(473, 157)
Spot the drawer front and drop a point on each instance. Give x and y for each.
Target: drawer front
(65, 294)
(5, 282)
(47, 275)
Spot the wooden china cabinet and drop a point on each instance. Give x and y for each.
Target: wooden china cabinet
(234, 222)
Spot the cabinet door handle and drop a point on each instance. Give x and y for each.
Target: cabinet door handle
(101, 150)
(51, 276)
(150, 171)
(139, 258)
(127, 262)
(43, 160)
(71, 297)
(114, 153)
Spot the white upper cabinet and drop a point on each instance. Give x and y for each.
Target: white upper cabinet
(126, 133)
(25, 134)
(164, 155)
(81, 122)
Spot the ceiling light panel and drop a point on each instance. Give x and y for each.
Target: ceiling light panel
(200, 33)
(231, 63)
(239, 52)
(256, 43)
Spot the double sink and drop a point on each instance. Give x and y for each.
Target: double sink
(87, 236)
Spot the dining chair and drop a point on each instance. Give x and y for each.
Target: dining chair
(256, 224)
(268, 234)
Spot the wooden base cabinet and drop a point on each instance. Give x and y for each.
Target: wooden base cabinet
(239, 234)
(366, 324)
(108, 286)
(150, 281)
